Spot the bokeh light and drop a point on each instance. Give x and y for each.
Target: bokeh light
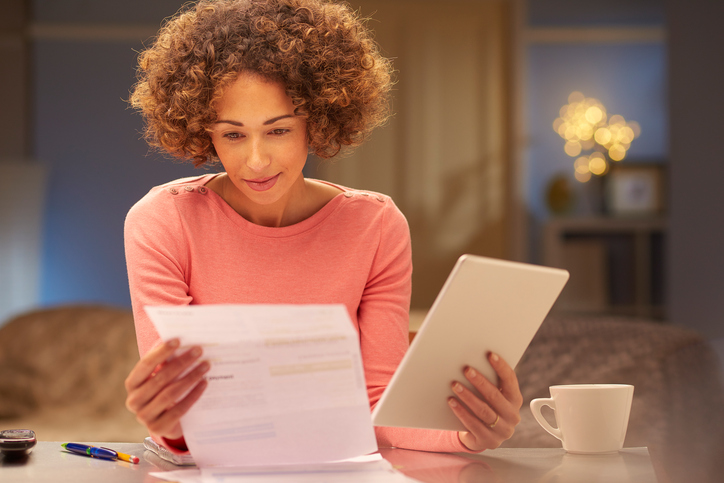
(581, 165)
(585, 126)
(583, 177)
(572, 148)
(598, 165)
(617, 152)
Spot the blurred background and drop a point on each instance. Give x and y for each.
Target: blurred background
(495, 147)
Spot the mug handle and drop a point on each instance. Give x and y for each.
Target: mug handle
(535, 408)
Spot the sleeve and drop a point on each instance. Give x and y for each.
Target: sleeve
(383, 318)
(156, 261)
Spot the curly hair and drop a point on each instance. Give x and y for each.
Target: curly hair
(320, 51)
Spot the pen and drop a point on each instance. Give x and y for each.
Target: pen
(102, 453)
(86, 450)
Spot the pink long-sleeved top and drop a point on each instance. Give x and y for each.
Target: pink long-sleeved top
(185, 245)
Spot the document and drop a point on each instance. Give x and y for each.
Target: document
(367, 469)
(286, 384)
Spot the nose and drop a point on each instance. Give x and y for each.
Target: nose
(258, 159)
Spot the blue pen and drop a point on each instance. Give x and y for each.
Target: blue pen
(102, 453)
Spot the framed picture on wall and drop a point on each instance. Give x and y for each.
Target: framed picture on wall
(635, 189)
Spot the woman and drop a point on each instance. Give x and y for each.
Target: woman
(257, 85)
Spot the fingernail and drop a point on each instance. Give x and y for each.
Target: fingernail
(452, 402)
(472, 373)
(205, 366)
(494, 357)
(196, 352)
(173, 344)
(457, 387)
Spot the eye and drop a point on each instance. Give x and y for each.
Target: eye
(233, 135)
(279, 131)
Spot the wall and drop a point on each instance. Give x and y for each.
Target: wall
(697, 224)
(98, 167)
(687, 73)
(443, 156)
(616, 54)
(14, 95)
(22, 195)
(84, 60)
(89, 141)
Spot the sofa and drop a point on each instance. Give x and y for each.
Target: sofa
(63, 370)
(62, 374)
(678, 404)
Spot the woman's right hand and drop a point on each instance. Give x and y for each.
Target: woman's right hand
(154, 388)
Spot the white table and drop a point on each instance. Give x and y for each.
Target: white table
(50, 463)
(526, 465)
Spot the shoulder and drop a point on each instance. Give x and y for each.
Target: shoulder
(161, 202)
(371, 204)
(366, 203)
(382, 229)
(371, 213)
(162, 196)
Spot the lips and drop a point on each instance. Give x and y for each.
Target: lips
(262, 184)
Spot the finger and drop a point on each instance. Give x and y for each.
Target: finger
(475, 405)
(482, 435)
(167, 374)
(508, 380)
(171, 395)
(170, 418)
(149, 362)
(174, 367)
(491, 395)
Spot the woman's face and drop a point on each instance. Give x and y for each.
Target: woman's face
(260, 142)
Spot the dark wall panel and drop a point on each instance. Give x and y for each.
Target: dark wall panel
(696, 78)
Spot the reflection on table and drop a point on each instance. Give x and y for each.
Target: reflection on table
(50, 463)
(524, 465)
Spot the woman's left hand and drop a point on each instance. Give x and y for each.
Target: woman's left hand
(492, 419)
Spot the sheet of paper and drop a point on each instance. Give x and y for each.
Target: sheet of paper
(286, 384)
(373, 469)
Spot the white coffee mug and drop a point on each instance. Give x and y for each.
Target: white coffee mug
(591, 418)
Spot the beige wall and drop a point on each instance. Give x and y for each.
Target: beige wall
(443, 157)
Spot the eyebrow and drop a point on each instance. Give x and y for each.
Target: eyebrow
(266, 123)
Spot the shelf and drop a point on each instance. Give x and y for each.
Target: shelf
(616, 264)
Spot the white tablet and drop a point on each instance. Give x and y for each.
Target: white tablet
(485, 305)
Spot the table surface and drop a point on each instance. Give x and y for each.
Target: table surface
(49, 462)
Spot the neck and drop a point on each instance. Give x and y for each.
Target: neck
(284, 212)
